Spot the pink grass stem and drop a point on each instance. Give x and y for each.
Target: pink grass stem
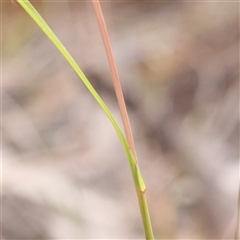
(115, 77)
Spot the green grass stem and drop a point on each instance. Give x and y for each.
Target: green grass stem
(137, 177)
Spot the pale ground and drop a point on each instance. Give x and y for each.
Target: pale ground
(64, 174)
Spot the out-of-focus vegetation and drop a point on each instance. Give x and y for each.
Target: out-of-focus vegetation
(64, 175)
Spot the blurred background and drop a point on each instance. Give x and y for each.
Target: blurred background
(64, 173)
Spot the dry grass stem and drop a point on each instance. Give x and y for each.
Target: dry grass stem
(115, 77)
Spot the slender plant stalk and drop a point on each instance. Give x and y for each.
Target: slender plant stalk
(137, 177)
(118, 90)
(115, 76)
